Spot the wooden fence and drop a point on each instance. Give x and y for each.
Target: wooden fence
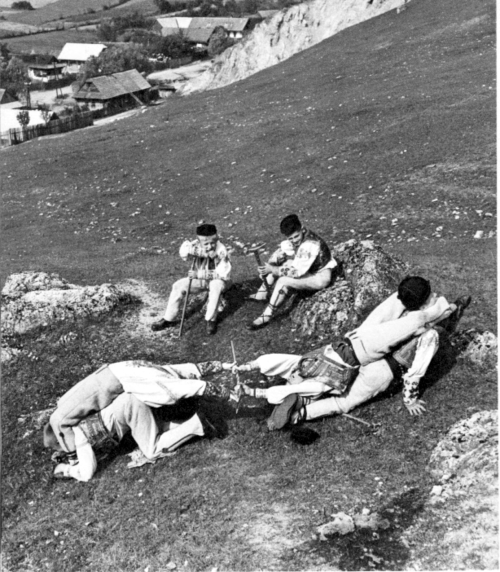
(77, 121)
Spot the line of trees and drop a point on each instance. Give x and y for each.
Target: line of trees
(221, 8)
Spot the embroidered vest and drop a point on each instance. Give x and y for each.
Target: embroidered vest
(95, 431)
(324, 255)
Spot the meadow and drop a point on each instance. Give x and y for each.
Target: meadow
(384, 132)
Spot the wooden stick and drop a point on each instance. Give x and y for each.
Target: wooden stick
(237, 376)
(356, 419)
(186, 300)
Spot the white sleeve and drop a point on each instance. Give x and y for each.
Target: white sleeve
(427, 347)
(188, 249)
(87, 463)
(388, 310)
(278, 364)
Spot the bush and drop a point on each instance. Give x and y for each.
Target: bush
(22, 6)
(176, 46)
(117, 59)
(219, 41)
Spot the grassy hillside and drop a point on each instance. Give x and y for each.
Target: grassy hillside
(50, 42)
(60, 10)
(386, 131)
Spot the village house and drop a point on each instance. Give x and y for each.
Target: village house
(7, 100)
(114, 91)
(74, 56)
(199, 30)
(43, 68)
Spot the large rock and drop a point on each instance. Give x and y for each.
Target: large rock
(31, 300)
(481, 348)
(368, 276)
(285, 34)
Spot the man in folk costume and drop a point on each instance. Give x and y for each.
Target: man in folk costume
(302, 262)
(210, 271)
(308, 395)
(150, 384)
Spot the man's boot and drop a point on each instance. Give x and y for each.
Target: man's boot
(162, 325)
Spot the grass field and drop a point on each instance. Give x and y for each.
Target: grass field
(385, 131)
(50, 42)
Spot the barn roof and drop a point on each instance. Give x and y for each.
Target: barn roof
(114, 85)
(80, 52)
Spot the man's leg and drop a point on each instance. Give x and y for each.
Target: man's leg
(261, 294)
(131, 413)
(177, 294)
(371, 343)
(284, 284)
(88, 396)
(215, 289)
(371, 380)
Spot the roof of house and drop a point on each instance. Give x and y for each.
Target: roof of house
(6, 97)
(8, 118)
(80, 52)
(199, 35)
(180, 23)
(267, 13)
(114, 85)
(230, 24)
(51, 66)
(173, 25)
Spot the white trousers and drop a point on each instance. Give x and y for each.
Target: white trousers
(308, 282)
(130, 414)
(179, 289)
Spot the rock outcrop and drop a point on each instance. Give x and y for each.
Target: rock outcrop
(481, 348)
(367, 276)
(285, 34)
(462, 511)
(32, 300)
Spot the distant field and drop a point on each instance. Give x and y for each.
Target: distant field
(34, 3)
(49, 42)
(60, 10)
(9, 28)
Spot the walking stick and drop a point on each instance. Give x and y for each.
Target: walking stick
(186, 300)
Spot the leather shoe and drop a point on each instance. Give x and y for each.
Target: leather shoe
(211, 327)
(161, 325)
(259, 323)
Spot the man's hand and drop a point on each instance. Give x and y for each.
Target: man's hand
(61, 471)
(416, 408)
(229, 367)
(192, 274)
(265, 269)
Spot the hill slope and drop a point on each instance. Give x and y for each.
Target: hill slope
(387, 131)
(285, 34)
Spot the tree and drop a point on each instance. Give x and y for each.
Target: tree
(164, 6)
(117, 59)
(22, 6)
(13, 75)
(176, 46)
(23, 118)
(219, 41)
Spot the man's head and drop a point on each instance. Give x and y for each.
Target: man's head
(49, 438)
(292, 228)
(207, 237)
(413, 291)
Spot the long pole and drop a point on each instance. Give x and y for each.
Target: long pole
(181, 327)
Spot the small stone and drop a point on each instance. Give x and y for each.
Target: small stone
(436, 490)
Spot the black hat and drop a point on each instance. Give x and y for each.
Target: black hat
(206, 230)
(290, 224)
(413, 292)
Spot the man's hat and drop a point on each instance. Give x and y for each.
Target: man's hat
(413, 291)
(206, 229)
(49, 438)
(290, 224)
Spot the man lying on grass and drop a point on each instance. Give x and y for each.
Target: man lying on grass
(118, 398)
(302, 262)
(318, 383)
(210, 271)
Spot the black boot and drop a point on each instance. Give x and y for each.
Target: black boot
(162, 325)
(211, 327)
(451, 322)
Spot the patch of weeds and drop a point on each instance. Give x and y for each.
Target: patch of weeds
(383, 549)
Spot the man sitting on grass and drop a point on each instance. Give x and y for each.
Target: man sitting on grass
(367, 348)
(210, 271)
(303, 262)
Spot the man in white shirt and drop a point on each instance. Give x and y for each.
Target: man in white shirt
(125, 414)
(302, 262)
(305, 398)
(152, 384)
(210, 271)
